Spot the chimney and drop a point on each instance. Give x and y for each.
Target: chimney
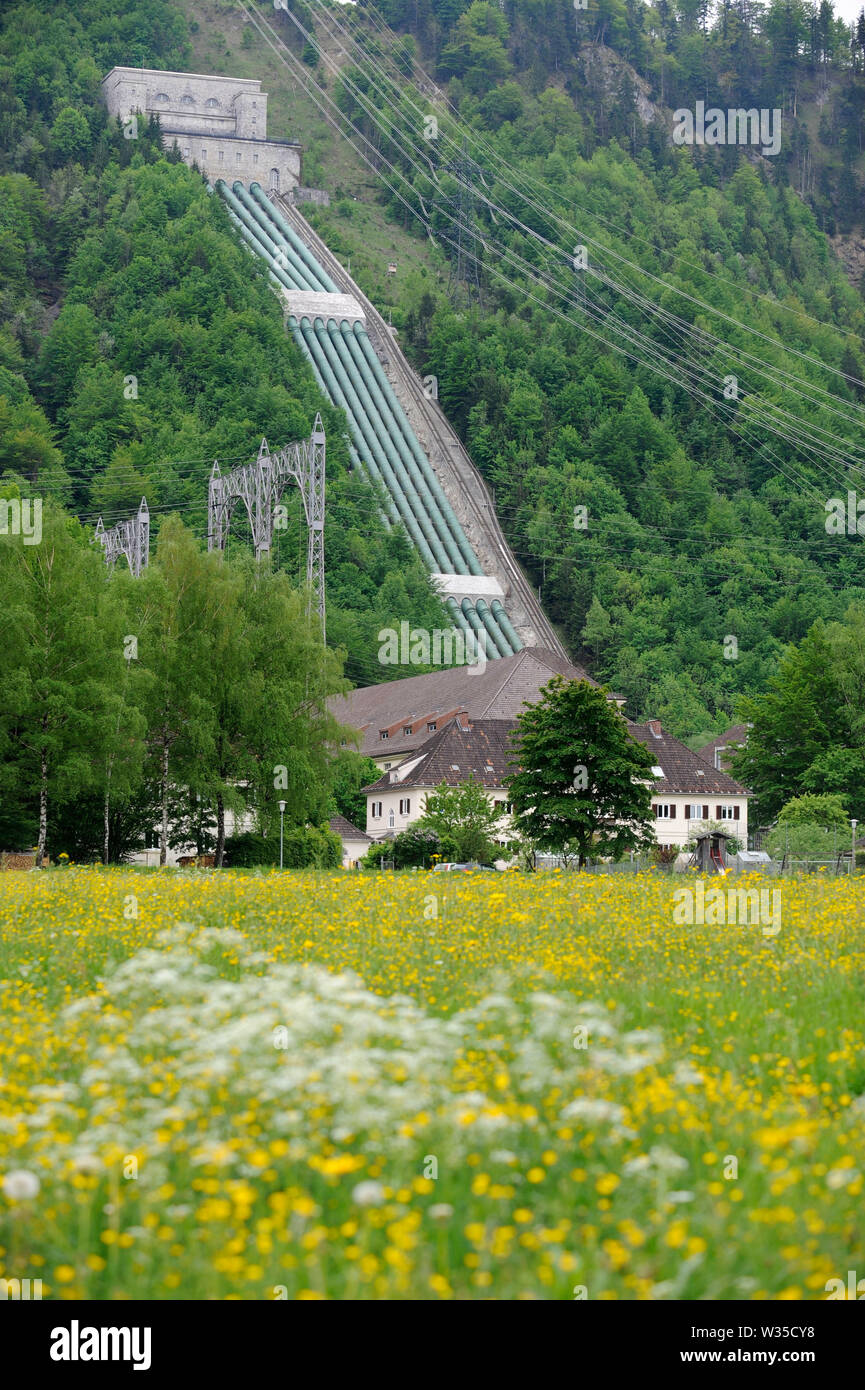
(655, 726)
(462, 718)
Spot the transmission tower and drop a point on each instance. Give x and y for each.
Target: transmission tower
(130, 538)
(463, 240)
(259, 487)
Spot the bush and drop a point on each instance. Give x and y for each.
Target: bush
(304, 847)
(382, 849)
(308, 847)
(414, 848)
(249, 850)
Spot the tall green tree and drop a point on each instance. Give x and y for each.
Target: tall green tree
(62, 658)
(808, 733)
(583, 785)
(464, 820)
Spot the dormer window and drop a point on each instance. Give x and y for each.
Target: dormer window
(657, 771)
(407, 729)
(431, 728)
(382, 733)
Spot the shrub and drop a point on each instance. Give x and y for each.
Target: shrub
(308, 847)
(248, 850)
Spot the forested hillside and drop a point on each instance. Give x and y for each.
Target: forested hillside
(659, 516)
(139, 339)
(699, 391)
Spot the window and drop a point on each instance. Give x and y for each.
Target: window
(382, 733)
(161, 97)
(405, 806)
(388, 766)
(696, 811)
(274, 180)
(375, 810)
(726, 812)
(187, 101)
(431, 728)
(239, 156)
(657, 771)
(185, 151)
(390, 818)
(665, 811)
(221, 155)
(211, 102)
(406, 729)
(204, 156)
(255, 159)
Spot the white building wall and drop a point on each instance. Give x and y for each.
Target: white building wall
(392, 820)
(670, 830)
(679, 829)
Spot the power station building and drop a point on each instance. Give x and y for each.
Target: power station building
(217, 123)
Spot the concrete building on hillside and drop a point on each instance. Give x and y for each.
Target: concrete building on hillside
(217, 123)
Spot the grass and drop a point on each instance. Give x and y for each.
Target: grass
(241, 1085)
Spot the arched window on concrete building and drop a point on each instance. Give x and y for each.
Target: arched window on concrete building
(274, 180)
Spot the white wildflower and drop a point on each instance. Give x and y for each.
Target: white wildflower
(20, 1186)
(368, 1194)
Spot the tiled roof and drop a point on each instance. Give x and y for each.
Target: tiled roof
(346, 831)
(735, 736)
(454, 753)
(684, 771)
(497, 692)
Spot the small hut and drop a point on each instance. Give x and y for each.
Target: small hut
(710, 852)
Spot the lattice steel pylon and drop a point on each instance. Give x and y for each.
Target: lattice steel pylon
(130, 538)
(259, 487)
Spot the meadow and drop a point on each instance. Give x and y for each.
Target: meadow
(305, 1086)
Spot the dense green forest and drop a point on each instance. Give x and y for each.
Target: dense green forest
(139, 340)
(702, 548)
(677, 532)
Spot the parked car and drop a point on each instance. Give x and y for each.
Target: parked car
(449, 867)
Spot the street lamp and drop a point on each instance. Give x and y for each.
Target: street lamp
(281, 825)
(854, 824)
